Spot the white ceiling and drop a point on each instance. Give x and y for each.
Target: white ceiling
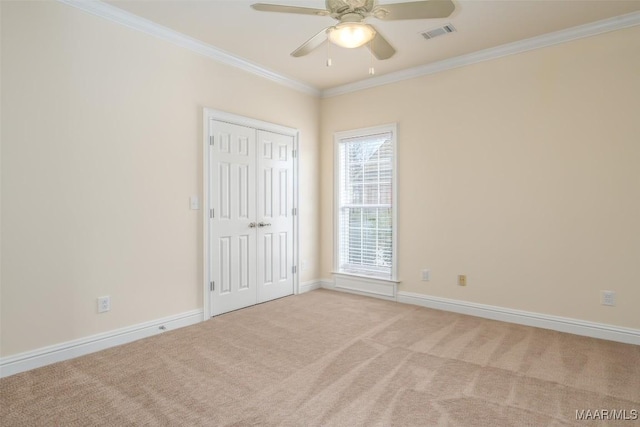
(267, 39)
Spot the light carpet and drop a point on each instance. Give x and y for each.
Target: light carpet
(325, 358)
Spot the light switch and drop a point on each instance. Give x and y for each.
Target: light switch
(194, 202)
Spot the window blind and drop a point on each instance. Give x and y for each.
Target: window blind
(365, 240)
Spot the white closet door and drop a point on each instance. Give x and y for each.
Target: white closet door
(275, 216)
(232, 196)
(251, 183)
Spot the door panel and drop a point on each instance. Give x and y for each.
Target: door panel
(251, 232)
(232, 196)
(275, 210)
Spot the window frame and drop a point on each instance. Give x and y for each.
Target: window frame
(359, 133)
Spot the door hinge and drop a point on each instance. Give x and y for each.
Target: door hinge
(210, 139)
(295, 269)
(294, 211)
(211, 213)
(294, 153)
(212, 286)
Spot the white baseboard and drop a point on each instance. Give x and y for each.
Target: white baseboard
(539, 320)
(376, 288)
(326, 284)
(309, 286)
(47, 355)
(56, 353)
(331, 285)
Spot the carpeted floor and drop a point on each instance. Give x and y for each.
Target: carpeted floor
(332, 359)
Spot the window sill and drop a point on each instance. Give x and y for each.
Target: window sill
(365, 285)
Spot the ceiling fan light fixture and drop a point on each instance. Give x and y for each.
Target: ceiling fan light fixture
(351, 34)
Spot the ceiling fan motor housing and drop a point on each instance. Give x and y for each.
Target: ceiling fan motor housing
(351, 17)
(339, 8)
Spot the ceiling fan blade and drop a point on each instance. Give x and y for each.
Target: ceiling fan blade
(380, 47)
(311, 44)
(264, 7)
(427, 9)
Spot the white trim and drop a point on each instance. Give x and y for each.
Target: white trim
(377, 288)
(206, 244)
(223, 116)
(545, 40)
(209, 114)
(71, 349)
(331, 287)
(364, 277)
(354, 133)
(296, 217)
(135, 22)
(326, 284)
(538, 320)
(309, 286)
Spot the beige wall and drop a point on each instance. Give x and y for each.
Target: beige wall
(522, 173)
(101, 149)
(519, 172)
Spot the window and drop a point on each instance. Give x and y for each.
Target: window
(366, 202)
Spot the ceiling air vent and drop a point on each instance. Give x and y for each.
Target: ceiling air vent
(440, 31)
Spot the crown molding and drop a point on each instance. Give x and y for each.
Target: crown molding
(135, 22)
(550, 39)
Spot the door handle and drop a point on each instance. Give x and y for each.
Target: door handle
(263, 224)
(252, 225)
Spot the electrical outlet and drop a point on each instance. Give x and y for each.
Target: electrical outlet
(426, 275)
(462, 280)
(608, 298)
(104, 304)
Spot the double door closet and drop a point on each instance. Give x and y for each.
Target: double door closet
(250, 223)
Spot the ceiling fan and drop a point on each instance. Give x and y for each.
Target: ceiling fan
(351, 31)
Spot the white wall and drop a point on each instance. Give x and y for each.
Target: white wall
(520, 172)
(101, 149)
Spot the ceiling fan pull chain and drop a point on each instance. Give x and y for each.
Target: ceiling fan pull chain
(372, 71)
(328, 54)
